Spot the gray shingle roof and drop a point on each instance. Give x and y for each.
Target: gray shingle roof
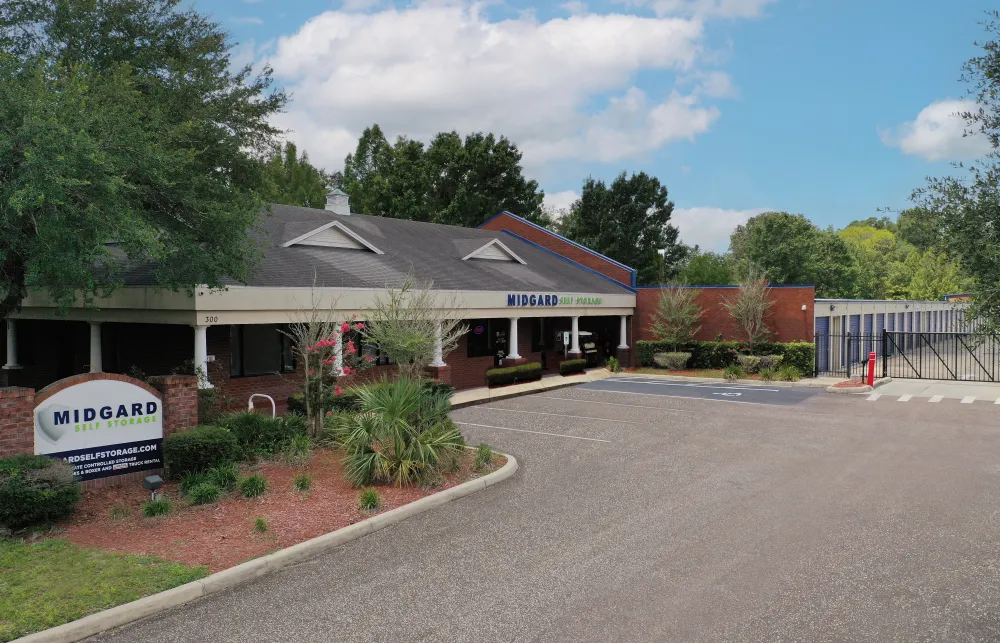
(430, 251)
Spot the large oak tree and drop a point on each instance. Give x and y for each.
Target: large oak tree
(125, 137)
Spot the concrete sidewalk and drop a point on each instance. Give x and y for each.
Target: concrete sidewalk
(811, 382)
(945, 389)
(472, 396)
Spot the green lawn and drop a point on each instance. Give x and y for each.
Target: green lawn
(52, 582)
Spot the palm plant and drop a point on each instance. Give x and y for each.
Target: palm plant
(399, 434)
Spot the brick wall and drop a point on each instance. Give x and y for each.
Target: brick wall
(17, 421)
(786, 318)
(180, 402)
(555, 243)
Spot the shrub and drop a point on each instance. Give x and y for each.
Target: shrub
(120, 511)
(672, 361)
(35, 489)
(484, 457)
(209, 405)
(297, 448)
(198, 450)
(749, 363)
(260, 525)
(570, 366)
(191, 480)
(733, 372)
(303, 482)
(204, 493)
(770, 361)
(512, 374)
(253, 486)
(158, 507)
(262, 435)
(613, 365)
(336, 403)
(767, 374)
(369, 499)
(400, 433)
(719, 354)
(224, 475)
(789, 373)
(437, 387)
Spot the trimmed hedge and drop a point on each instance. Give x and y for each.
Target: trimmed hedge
(570, 366)
(35, 489)
(199, 450)
(261, 434)
(512, 374)
(336, 403)
(722, 354)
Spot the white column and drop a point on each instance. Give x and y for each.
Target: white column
(96, 359)
(438, 349)
(201, 356)
(512, 342)
(623, 333)
(574, 346)
(11, 364)
(338, 354)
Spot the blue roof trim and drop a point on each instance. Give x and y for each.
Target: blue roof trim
(567, 259)
(707, 287)
(561, 238)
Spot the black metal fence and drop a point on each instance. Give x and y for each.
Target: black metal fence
(911, 355)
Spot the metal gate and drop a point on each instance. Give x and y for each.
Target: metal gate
(971, 357)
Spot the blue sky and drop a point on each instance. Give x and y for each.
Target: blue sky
(831, 108)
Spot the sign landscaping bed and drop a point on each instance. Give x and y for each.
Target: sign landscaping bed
(145, 555)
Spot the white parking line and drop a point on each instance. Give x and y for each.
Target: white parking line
(968, 399)
(874, 396)
(561, 415)
(904, 398)
(633, 406)
(555, 435)
(659, 383)
(998, 401)
(679, 397)
(936, 398)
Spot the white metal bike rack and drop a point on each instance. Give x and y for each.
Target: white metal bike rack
(274, 409)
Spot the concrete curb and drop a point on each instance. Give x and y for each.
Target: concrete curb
(853, 390)
(123, 614)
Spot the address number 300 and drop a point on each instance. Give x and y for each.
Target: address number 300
(211, 319)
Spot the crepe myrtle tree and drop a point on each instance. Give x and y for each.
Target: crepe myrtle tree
(408, 322)
(325, 351)
(677, 318)
(750, 305)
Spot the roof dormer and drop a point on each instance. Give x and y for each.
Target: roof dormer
(333, 235)
(494, 250)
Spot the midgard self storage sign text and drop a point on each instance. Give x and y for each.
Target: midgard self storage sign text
(102, 427)
(551, 300)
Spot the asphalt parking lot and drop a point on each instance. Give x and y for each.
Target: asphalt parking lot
(641, 513)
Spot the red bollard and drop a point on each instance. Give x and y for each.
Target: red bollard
(871, 368)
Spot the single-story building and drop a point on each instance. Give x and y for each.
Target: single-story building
(525, 293)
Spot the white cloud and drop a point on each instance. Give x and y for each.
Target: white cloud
(359, 5)
(703, 8)
(557, 203)
(535, 82)
(710, 228)
(248, 20)
(574, 7)
(937, 134)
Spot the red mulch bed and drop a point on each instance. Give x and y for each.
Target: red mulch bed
(221, 535)
(851, 383)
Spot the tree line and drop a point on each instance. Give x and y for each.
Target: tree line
(126, 137)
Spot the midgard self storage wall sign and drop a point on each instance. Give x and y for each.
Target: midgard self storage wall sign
(514, 299)
(102, 427)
